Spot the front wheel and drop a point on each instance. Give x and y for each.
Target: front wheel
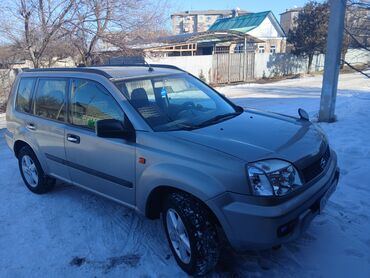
(191, 233)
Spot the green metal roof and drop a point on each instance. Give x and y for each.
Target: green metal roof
(244, 23)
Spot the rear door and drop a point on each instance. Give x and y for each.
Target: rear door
(47, 123)
(102, 165)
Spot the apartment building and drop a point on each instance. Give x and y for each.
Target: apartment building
(288, 19)
(199, 21)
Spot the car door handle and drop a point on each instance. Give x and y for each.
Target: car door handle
(73, 138)
(31, 126)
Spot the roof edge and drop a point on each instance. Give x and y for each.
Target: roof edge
(273, 17)
(250, 14)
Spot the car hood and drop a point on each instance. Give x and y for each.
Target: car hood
(255, 135)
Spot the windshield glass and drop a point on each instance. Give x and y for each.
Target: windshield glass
(175, 102)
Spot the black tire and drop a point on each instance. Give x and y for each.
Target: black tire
(44, 183)
(201, 232)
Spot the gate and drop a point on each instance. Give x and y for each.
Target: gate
(232, 67)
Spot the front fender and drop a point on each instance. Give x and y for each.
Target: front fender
(199, 184)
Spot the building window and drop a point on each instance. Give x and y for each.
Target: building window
(273, 49)
(261, 49)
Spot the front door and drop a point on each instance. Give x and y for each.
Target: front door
(102, 165)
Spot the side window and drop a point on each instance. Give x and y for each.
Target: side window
(91, 102)
(50, 99)
(24, 94)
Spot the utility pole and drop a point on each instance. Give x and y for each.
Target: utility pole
(332, 60)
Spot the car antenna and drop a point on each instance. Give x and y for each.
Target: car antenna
(149, 66)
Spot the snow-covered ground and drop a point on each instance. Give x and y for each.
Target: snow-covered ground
(72, 233)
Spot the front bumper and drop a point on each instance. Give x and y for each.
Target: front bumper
(251, 227)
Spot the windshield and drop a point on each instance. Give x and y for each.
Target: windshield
(175, 102)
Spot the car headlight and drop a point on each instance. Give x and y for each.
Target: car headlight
(273, 177)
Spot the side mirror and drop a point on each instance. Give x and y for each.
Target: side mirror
(239, 109)
(111, 128)
(303, 114)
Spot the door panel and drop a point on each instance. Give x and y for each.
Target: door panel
(50, 138)
(102, 165)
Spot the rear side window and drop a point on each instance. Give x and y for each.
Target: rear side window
(50, 99)
(91, 102)
(24, 95)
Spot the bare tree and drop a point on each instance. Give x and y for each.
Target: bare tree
(8, 56)
(309, 36)
(357, 30)
(35, 24)
(110, 24)
(47, 30)
(357, 27)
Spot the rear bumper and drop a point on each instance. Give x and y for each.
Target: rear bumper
(9, 139)
(249, 226)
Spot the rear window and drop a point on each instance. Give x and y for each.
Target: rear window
(24, 95)
(50, 99)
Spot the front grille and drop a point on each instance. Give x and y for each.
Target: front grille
(316, 168)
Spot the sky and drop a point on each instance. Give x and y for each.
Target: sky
(277, 6)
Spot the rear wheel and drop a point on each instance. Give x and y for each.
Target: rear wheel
(32, 173)
(191, 233)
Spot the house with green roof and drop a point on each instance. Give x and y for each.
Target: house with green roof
(262, 25)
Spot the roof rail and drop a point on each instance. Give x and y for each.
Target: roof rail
(165, 66)
(78, 69)
(96, 70)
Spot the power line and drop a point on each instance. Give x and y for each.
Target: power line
(355, 69)
(356, 40)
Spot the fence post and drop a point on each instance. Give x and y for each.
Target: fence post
(253, 58)
(245, 61)
(228, 67)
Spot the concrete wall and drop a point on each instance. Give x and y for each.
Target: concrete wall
(267, 65)
(193, 64)
(358, 56)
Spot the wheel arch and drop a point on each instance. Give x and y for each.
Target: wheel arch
(154, 202)
(18, 145)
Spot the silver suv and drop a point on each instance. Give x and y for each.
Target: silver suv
(158, 140)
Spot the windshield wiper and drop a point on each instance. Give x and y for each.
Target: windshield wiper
(213, 120)
(217, 119)
(181, 127)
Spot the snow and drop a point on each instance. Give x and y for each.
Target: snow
(72, 233)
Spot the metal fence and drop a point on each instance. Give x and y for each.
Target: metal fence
(232, 67)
